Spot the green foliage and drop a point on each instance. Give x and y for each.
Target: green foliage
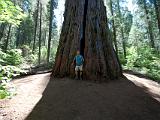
(144, 60)
(3, 92)
(131, 57)
(22, 37)
(10, 13)
(138, 26)
(6, 74)
(26, 50)
(8, 70)
(53, 53)
(123, 61)
(31, 59)
(2, 57)
(43, 54)
(12, 57)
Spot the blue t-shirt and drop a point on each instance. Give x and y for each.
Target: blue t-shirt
(79, 60)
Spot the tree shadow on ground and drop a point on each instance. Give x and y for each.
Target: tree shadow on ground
(66, 99)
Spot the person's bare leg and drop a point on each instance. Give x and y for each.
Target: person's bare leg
(81, 72)
(76, 72)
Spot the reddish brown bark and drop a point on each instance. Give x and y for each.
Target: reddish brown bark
(91, 36)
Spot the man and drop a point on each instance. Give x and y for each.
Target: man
(78, 61)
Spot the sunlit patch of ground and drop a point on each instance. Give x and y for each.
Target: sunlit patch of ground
(149, 86)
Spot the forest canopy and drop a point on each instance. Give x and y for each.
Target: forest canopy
(10, 13)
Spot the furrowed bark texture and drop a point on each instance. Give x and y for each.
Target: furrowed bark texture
(85, 28)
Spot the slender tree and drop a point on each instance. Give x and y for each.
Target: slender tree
(50, 29)
(7, 40)
(157, 10)
(40, 34)
(149, 25)
(3, 26)
(36, 24)
(113, 26)
(122, 30)
(44, 37)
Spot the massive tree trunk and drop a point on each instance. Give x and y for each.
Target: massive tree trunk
(85, 28)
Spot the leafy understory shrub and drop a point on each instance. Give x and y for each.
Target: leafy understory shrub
(12, 57)
(2, 57)
(26, 50)
(31, 59)
(53, 53)
(122, 59)
(131, 57)
(7, 89)
(43, 54)
(28, 57)
(144, 60)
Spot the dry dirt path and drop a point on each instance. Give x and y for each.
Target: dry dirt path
(39, 98)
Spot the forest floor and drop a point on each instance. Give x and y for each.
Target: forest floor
(39, 98)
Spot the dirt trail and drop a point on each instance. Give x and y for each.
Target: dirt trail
(65, 99)
(149, 86)
(29, 92)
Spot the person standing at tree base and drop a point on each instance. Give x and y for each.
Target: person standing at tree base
(78, 61)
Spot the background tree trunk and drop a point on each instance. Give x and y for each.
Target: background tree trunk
(7, 40)
(44, 38)
(85, 28)
(35, 29)
(122, 30)
(113, 27)
(40, 34)
(149, 25)
(18, 38)
(2, 29)
(50, 30)
(157, 10)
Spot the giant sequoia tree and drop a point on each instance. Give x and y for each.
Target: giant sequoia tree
(85, 28)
